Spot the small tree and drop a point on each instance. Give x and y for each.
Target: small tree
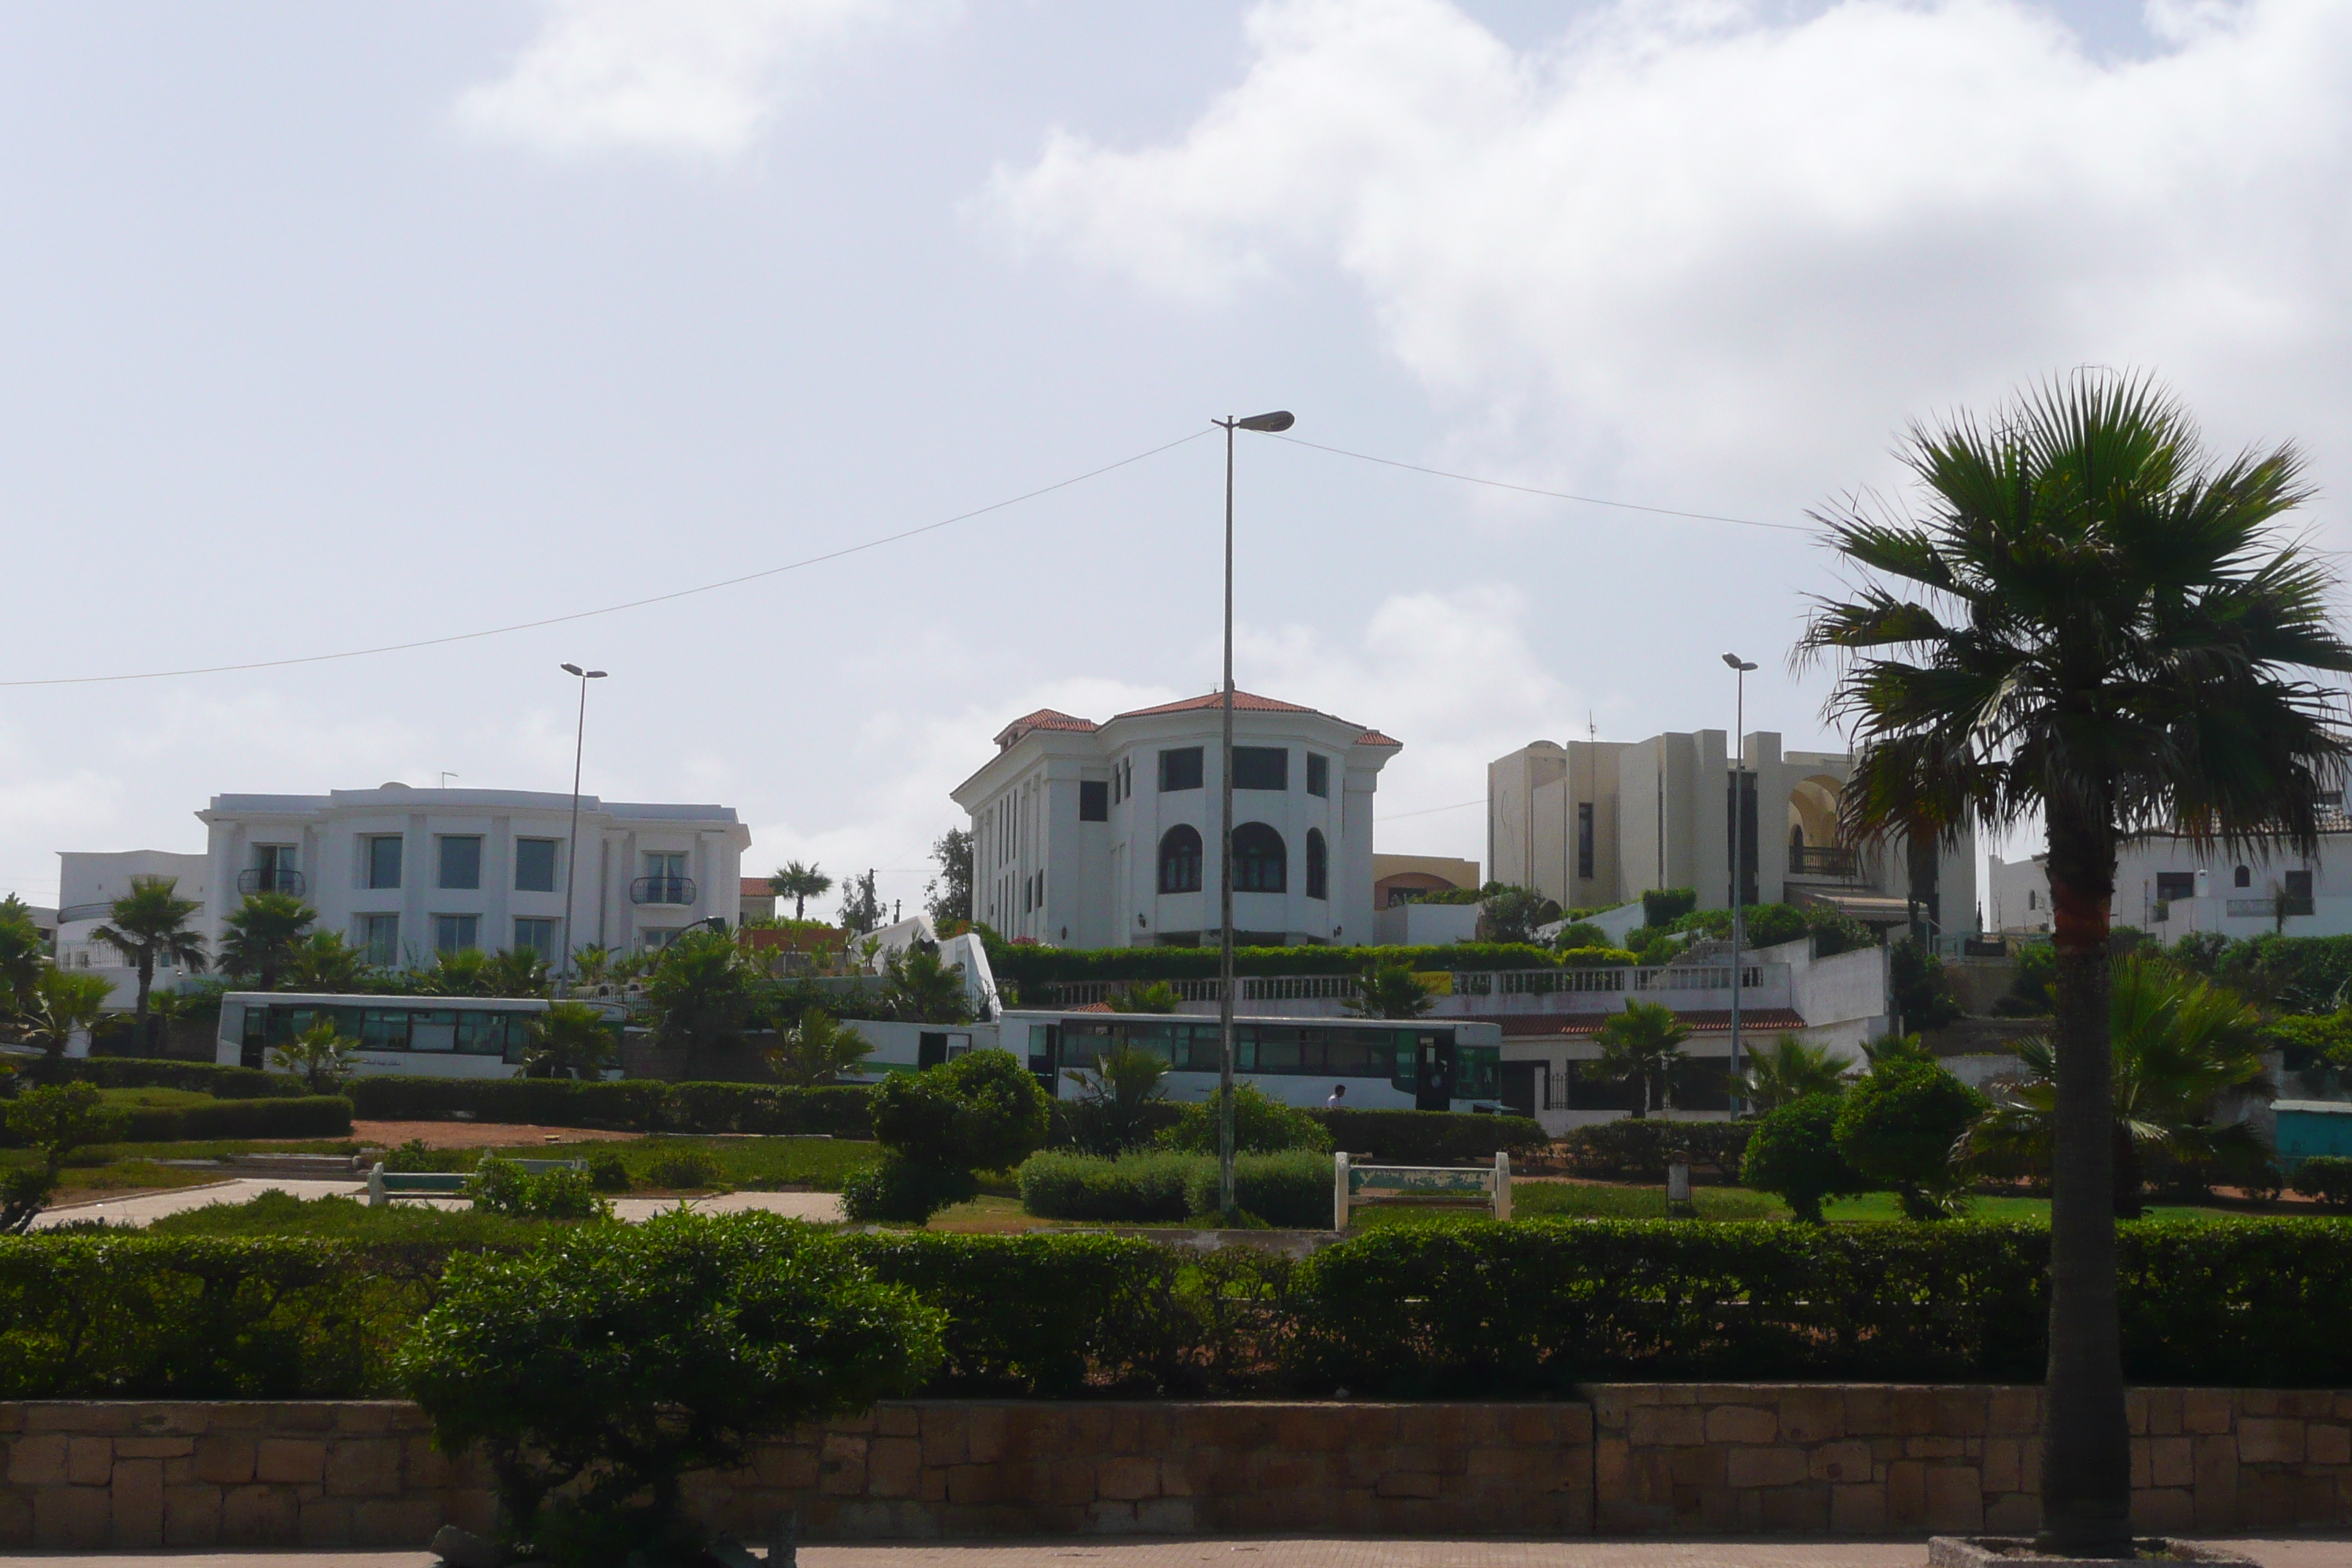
(23, 956)
(324, 962)
(1114, 1108)
(571, 1039)
(861, 906)
(65, 1002)
(818, 1049)
(461, 971)
(948, 897)
(982, 1111)
(516, 972)
(613, 1359)
(319, 1056)
(1793, 1152)
(1262, 1125)
(591, 963)
(1899, 1126)
(919, 989)
(1392, 990)
(799, 883)
(55, 1121)
(701, 994)
(148, 926)
(1157, 997)
(1788, 1070)
(1643, 1043)
(1511, 914)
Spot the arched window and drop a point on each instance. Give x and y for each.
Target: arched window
(1318, 865)
(1261, 861)
(1796, 836)
(2245, 878)
(1180, 860)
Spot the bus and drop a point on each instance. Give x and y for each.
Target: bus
(422, 1036)
(1406, 1064)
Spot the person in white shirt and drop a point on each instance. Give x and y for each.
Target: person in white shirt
(1339, 1093)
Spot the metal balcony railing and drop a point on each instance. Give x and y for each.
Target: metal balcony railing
(258, 880)
(662, 890)
(1824, 860)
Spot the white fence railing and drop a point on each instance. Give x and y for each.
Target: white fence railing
(1463, 983)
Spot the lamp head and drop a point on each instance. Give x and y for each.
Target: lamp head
(599, 675)
(1738, 663)
(1272, 424)
(573, 669)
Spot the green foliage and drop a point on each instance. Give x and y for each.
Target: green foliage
(323, 962)
(817, 1050)
(2029, 994)
(1922, 991)
(1429, 1137)
(24, 958)
(319, 1056)
(618, 1358)
(918, 989)
(685, 1169)
(799, 883)
(1788, 1070)
(1660, 908)
(2304, 1038)
(262, 935)
(701, 994)
(1793, 1152)
(500, 1186)
(1508, 914)
(1643, 1043)
(1897, 1127)
(54, 1120)
(150, 926)
(608, 1172)
(1262, 1125)
(270, 1213)
(1597, 957)
(905, 1191)
(1030, 969)
(1130, 1189)
(1392, 990)
(1640, 1149)
(303, 1116)
(201, 1078)
(571, 1039)
(637, 1105)
(1578, 934)
(982, 1111)
(1158, 996)
(947, 898)
(1291, 1190)
(2327, 1178)
(64, 1002)
(1121, 1102)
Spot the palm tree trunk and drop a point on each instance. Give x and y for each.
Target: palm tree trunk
(2086, 1442)
(2128, 1202)
(146, 986)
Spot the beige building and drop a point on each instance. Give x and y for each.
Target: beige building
(1402, 879)
(1596, 823)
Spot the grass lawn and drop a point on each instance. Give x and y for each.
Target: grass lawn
(156, 1099)
(1880, 1206)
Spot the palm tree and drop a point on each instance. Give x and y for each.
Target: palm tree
(2095, 624)
(1392, 990)
(324, 962)
(262, 936)
(2177, 1043)
(320, 1056)
(1788, 1070)
(64, 1003)
(149, 925)
(817, 1050)
(516, 972)
(23, 955)
(1644, 1043)
(571, 1039)
(919, 989)
(799, 883)
(1159, 996)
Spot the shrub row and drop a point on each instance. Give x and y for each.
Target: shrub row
(1029, 967)
(638, 1105)
(310, 1116)
(1642, 1147)
(1430, 1137)
(1290, 1190)
(197, 1078)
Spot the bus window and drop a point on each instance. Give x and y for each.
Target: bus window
(1281, 1050)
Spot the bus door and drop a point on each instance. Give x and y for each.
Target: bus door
(255, 1034)
(1045, 1055)
(1432, 1073)
(931, 1050)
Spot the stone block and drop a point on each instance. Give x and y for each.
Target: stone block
(1857, 1510)
(2012, 1513)
(1812, 1416)
(1440, 1426)
(945, 1437)
(364, 1466)
(2163, 1411)
(366, 1417)
(1846, 1462)
(224, 1458)
(1126, 1479)
(2171, 1461)
(1111, 1517)
(293, 1461)
(67, 1518)
(897, 1421)
(1176, 1477)
(89, 1461)
(2003, 1471)
(137, 1485)
(1955, 1499)
(2270, 1441)
(397, 1522)
(1869, 1412)
(1935, 1445)
(259, 1515)
(2205, 1410)
(792, 1468)
(1748, 1466)
(2163, 1509)
(1906, 1494)
(842, 1465)
(1959, 1413)
(1658, 1425)
(153, 1447)
(2326, 1443)
(324, 1521)
(15, 1519)
(1793, 1511)
(894, 1465)
(1742, 1424)
(38, 1459)
(1407, 1484)
(2217, 1480)
(192, 1515)
(1165, 1516)
(984, 1433)
(2013, 1411)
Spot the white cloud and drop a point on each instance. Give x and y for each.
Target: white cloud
(684, 77)
(1705, 251)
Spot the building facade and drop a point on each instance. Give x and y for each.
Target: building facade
(87, 884)
(1597, 824)
(1087, 835)
(405, 873)
(2171, 886)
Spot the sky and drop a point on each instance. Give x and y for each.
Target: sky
(328, 327)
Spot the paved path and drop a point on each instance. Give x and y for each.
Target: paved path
(2332, 1553)
(151, 1206)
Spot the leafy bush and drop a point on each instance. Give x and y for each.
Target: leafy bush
(1662, 907)
(905, 1191)
(634, 1105)
(1031, 969)
(201, 1078)
(1597, 957)
(1897, 1127)
(1793, 1153)
(310, 1116)
(1429, 1137)
(607, 1172)
(689, 1169)
(55, 1120)
(1292, 1190)
(616, 1359)
(503, 1187)
(981, 1112)
(1577, 936)
(1922, 991)
(1641, 1149)
(1262, 1125)
(839, 1110)
(1131, 1189)
(2326, 1177)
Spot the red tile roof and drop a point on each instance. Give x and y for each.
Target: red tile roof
(1243, 702)
(1045, 719)
(1583, 1026)
(1374, 737)
(757, 887)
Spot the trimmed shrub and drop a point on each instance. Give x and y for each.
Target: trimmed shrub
(981, 1112)
(2326, 1177)
(839, 1110)
(1793, 1152)
(502, 1186)
(631, 1105)
(1897, 1126)
(310, 1116)
(1430, 1137)
(1262, 1125)
(683, 1168)
(607, 1172)
(905, 1191)
(197, 1078)
(1131, 1189)
(1290, 1190)
(1596, 957)
(1638, 1147)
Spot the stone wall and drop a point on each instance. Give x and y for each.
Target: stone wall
(1763, 1460)
(1795, 1459)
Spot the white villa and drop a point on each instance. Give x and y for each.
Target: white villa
(403, 873)
(2169, 887)
(1087, 835)
(87, 884)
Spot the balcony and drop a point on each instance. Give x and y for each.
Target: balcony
(262, 881)
(1833, 861)
(662, 890)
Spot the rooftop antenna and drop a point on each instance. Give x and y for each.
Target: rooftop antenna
(445, 776)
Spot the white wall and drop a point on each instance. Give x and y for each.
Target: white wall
(1425, 925)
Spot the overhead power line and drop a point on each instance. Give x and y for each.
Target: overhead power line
(1429, 810)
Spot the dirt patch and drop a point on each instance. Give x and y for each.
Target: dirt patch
(478, 1134)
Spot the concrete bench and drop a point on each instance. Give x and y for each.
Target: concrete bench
(385, 1186)
(1355, 1186)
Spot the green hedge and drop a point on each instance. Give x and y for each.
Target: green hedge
(637, 1105)
(311, 1116)
(1639, 1147)
(197, 1078)
(1029, 967)
(1290, 1190)
(1430, 1137)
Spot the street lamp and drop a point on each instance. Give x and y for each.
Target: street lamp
(1271, 424)
(571, 845)
(1739, 668)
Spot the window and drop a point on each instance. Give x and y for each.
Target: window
(2245, 876)
(454, 934)
(383, 861)
(2295, 896)
(536, 935)
(1318, 775)
(461, 861)
(1027, 902)
(1318, 865)
(534, 865)
(1179, 769)
(655, 941)
(1584, 838)
(1261, 767)
(1094, 800)
(2030, 897)
(2170, 885)
(1261, 860)
(1180, 856)
(379, 938)
(664, 879)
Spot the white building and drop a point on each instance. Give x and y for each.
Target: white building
(88, 885)
(2170, 888)
(1596, 823)
(1087, 835)
(403, 873)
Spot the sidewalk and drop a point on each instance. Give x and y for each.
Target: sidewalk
(151, 1206)
(1191, 1552)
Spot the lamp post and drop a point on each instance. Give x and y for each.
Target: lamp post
(571, 845)
(1739, 668)
(1270, 424)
